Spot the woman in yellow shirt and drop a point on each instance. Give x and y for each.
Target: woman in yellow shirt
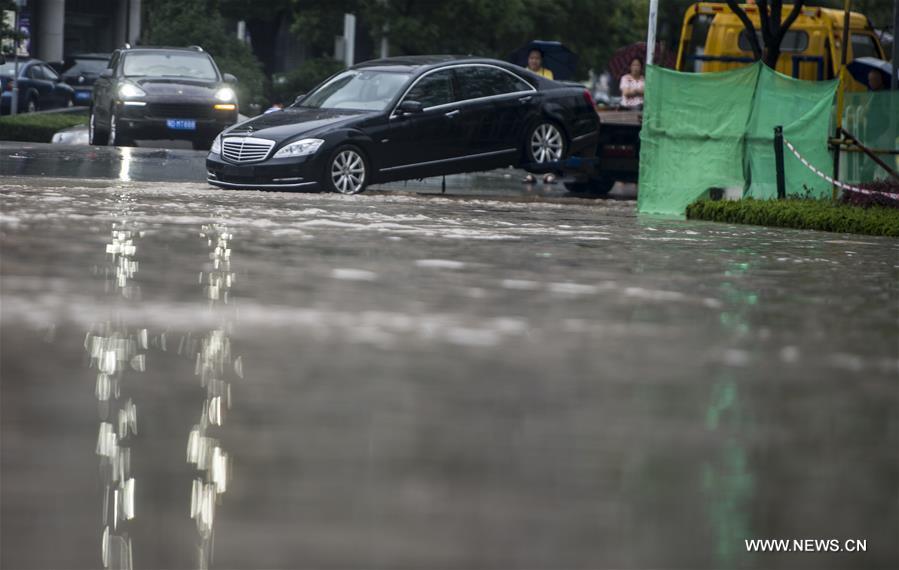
(535, 64)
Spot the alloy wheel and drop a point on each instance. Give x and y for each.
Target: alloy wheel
(90, 128)
(546, 143)
(348, 172)
(31, 107)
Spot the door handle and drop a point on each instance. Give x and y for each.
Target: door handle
(452, 114)
(525, 99)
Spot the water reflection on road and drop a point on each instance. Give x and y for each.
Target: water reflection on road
(452, 383)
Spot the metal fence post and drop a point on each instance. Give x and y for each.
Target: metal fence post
(779, 161)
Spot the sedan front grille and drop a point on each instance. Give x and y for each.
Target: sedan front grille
(246, 149)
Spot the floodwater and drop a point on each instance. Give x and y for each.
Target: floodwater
(197, 378)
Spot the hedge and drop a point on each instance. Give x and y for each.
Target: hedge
(822, 215)
(39, 127)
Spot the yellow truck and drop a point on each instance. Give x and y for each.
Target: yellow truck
(714, 39)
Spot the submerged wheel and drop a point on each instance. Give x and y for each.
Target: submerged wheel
(545, 143)
(593, 187)
(96, 135)
(347, 171)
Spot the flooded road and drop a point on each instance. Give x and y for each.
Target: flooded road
(197, 378)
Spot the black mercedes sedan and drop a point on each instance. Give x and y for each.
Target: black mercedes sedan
(406, 118)
(161, 93)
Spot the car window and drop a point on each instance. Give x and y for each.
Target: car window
(482, 81)
(149, 64)
(433, 89)
(76, 66)
(49, 73)
(34, 72)
(863, 45)
(367, 90)
(793, 41)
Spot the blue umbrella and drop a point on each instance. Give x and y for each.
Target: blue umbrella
(861, 67)
(556, 57)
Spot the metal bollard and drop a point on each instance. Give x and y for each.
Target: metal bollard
(779, 161)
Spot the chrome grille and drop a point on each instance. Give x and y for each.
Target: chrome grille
(245, 149)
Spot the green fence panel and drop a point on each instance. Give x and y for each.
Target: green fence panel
(872, 118)
(803, 108)
(692, 137)
(708, 130)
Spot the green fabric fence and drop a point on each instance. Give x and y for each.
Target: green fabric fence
(716, 130)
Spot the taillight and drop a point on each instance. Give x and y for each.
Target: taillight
(589, 99)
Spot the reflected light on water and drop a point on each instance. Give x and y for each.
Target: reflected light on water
(214, 366)
(115, 352)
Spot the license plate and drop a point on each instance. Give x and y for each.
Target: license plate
(181, 124)
(239, 171)
(82, 95)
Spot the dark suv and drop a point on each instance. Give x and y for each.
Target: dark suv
(161, 93)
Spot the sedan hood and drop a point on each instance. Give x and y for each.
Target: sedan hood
(294, 121)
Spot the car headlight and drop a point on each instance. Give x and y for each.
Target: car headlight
(216, 145)
(130, 90)
(225, 94)
(303, 147)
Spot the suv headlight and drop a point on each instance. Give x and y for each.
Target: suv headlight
(130, 90)
(303, 147)
(216, 145)
(225, 94)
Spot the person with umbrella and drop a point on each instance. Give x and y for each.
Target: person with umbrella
(535, 63)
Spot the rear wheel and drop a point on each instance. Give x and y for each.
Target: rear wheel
(31, 105)
(595, 187)
(346, 171)
(545, 143)
(96, 135)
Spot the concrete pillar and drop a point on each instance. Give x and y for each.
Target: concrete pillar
(134, 22)
(50, 29)
(120, 24)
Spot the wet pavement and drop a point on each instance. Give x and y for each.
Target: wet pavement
(498, 378)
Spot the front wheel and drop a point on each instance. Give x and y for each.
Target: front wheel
(116, 136)
(346, 171)
(545, 143)
(95, 134)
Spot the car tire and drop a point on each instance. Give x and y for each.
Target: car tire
(31, 104)
(95, 134)
(70, 102)
(594, 187)
(545, 142)
(346, 170)
(116, 137)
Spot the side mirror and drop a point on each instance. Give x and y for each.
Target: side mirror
(299, 98)
(410, 107)
(230, 78)
(107, 73)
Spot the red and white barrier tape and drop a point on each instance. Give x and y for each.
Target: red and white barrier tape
(836, 183)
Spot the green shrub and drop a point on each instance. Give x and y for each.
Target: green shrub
(310, 73)
(39, 127)
(822, 215)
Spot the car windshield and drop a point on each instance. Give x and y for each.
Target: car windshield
(89, 66)
(365, 89)
(197, 66)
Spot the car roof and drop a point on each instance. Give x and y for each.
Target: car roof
(164, 48)
(415, 63)
(89, 56)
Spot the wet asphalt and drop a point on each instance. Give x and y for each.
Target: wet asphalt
(499, 377)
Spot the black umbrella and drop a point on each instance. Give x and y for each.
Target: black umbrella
(556, 58)
(861, 67)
